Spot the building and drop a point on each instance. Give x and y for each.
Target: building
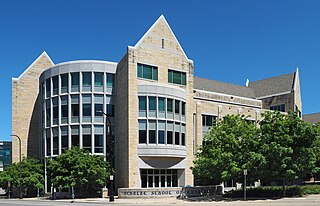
(5, 154)
(313, 118)
(159, 109)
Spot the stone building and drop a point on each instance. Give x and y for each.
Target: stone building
(159, 110)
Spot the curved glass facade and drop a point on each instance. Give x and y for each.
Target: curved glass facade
(73, 96)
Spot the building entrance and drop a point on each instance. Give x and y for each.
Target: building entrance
(159, 178)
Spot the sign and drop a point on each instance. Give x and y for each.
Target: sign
(145, 192)
(111, 177)
(245, 172)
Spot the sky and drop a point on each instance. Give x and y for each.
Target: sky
(228, 40)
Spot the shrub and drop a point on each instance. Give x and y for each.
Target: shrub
(268, 192)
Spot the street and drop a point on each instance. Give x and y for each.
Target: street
(304, 201)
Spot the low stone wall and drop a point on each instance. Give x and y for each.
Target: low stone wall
(201, 191)
(149, 192)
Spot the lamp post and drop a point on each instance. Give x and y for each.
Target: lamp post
(111, 153)
(20, 194)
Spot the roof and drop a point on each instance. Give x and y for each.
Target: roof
(223, 87)
(273, 85)
(311, 118)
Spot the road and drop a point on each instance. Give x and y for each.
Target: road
(305, 201)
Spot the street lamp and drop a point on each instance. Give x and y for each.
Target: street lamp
(111, 153)
(20, 194)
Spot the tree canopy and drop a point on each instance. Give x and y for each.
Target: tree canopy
(282, 148)
(32, 175)
(78, 168)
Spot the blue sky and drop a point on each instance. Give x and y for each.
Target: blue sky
(229, 40)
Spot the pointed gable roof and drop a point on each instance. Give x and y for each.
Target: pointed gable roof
(157, 25)
(42, 55)
(273, 86)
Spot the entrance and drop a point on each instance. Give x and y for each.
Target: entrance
(159, 178)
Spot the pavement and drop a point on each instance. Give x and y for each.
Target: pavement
(300, 201)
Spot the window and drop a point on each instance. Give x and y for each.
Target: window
(86, 110)
(152, 132)
(161, 106)
(55, 85)
(147, 72)
(64, 109)
(169, 137)
(110, 106)
(110, 80)
(98, 108)
(183, 108)
(176, 106)
(155, 178)
(74, 82)
(177, 77)
(55, 110)
(169, 105)
(48, 112)
(161, 132)
(98, 79)
(48, 88)
(142, 132)
(48, 142)
(86, 138)
(64, 138)
(152, 103)
(208, 120)
(64, 83)
(183, 135)
(74, 108)
(98, 143)
(55, 141)
(98, 139)
(142, 103)
(280, 108)
(86, 78)
(75, 136)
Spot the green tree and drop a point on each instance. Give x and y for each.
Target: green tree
(230, 147)
(32, 176)
(79, 169)
(290, 146)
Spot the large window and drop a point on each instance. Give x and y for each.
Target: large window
(48, 88)
(110, 106)
(152, 132)
(86, 108)
(177, 77)
(48, 112)
(147, 72)
(155, 178)
(64, 109)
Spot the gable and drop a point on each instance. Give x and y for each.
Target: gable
(161, 36)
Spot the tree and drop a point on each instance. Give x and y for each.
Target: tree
(230, 147)
(290, 146)
(32, 176)
(79, 169)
